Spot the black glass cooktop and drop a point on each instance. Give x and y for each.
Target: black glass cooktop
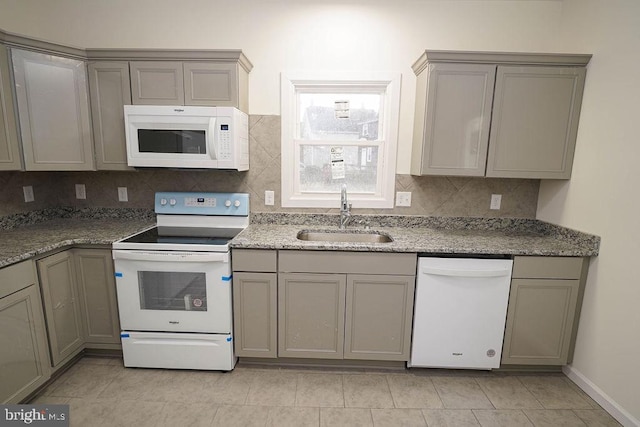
(151, 236)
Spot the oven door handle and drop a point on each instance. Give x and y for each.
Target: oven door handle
(172, 256)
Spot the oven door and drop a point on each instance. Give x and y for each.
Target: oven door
(173, 291)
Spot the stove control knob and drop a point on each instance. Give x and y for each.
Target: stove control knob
(172, 202)
(227, 203)
(163, 202)
(236, 203)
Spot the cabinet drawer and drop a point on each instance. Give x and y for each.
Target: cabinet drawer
(254, 260)
(16, 277)
(347, 262)
(540, 267)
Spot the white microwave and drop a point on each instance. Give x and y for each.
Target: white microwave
(186, 137)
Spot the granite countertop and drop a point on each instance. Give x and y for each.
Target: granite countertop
(28, 240)
(25, 239)
(422, 234)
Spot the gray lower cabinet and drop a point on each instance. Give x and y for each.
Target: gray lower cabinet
(110, 89)
(311, 310)
(9, 144)
(255, 303)
(379, 314)
(24, 356)
(255, 314)
(543, 312)
(345, 305)
(53, 107)
(61, 306)
(98, 300)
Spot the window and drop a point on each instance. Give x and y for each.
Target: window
(339, 130)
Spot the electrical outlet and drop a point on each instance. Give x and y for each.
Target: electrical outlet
(122, 194)
(81, 192)
(28, 193)
(269, 197)
(496, 200)
(403, 198)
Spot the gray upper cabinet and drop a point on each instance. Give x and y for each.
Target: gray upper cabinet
(454, 134)
(61, 306)
(210, 84)
(494, 114)
(110, 89)
(200, 83)
(9, 144)
(24, 356)
(157, 82)
(53, 106)
(535, 121)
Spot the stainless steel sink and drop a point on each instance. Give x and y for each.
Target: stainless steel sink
(344, 236)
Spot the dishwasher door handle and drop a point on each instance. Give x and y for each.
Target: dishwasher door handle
(466, 273)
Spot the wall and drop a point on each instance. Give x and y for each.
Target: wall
(602, 196)
(443, 196)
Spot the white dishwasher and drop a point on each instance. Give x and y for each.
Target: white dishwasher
(460, 312)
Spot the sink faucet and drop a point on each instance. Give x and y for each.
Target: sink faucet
(345, 208)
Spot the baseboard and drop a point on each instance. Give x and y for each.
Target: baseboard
(609, 405)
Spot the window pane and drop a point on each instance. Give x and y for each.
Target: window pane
(339, 116)
(360, 169)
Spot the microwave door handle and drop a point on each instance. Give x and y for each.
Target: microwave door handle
(211, 139)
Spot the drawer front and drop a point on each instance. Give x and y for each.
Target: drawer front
(540, 267)
(16, 277)
(347, 262)
(259, 260)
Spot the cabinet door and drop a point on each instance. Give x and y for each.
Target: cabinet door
(210, 84)
(53, 107)
(61, 305)
(97, 292)
(24, 357)
(110, 91)
(379, 314)
(535, 121)
(255, 308)
(157, 83)
(453, 110)
(539, 321)
(9, 146)
(311, 315)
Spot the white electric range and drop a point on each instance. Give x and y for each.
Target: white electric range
(174, 283)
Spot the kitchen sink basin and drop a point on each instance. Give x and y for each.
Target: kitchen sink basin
(347, 236)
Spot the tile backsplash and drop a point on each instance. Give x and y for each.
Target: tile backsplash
(431, 195)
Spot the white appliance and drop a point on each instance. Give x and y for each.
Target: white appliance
(186, 137)
(174, 283)
(460, 312)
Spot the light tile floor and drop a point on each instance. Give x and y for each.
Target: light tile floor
(101, 392)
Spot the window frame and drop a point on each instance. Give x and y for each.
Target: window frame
(386, 83)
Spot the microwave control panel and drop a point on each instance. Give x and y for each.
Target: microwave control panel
(224, 142)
